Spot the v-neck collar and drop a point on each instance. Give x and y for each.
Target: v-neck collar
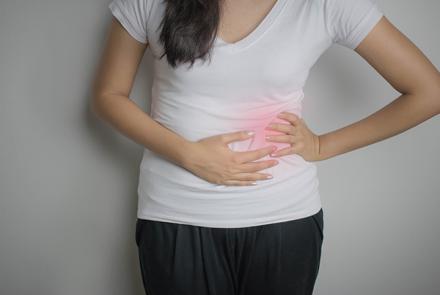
(263, 26)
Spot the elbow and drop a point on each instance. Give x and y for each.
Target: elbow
(97, 101)
(438, 103)
(431, 95)
(95, 104)
(437, 100)
(436, 93)
(435, 97)
(432, 100)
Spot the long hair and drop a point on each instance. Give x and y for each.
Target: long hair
(189, 29)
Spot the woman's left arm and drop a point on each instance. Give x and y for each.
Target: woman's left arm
(408, 71)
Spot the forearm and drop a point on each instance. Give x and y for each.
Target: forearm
(407, 111)
(129, 119)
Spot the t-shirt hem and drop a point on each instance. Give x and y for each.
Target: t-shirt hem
(309, 211)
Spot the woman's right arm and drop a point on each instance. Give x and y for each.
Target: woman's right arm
(113, 82)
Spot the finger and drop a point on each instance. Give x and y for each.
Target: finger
(283, 152)
(293, 149)
(290, 117)
(256, 166)
(281, 138)
(285, 138)
(239, 183)
(250, 176)
(285, 128)
(236, 136)
(253, 155)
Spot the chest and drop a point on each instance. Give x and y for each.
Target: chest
(273, 55)
(239, 18)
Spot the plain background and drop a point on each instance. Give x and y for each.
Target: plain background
(68, 181)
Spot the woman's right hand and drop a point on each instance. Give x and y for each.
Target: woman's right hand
(211, 158)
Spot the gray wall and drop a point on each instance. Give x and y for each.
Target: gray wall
(68, 181)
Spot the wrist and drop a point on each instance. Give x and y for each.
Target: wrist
(323, 148)
(186, 153)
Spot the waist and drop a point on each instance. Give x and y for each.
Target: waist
(207, 117)
(170, 193)
(292, 169)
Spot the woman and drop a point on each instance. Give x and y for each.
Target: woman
(222, 211)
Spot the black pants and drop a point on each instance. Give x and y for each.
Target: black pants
(278, 259)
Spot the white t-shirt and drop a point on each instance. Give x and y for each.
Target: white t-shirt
(244, 87)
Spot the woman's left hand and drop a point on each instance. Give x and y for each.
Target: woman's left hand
(301, 139)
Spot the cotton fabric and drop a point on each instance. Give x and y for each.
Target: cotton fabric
(243, 87)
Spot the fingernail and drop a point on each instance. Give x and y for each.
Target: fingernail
(269, 176)
(250, 133)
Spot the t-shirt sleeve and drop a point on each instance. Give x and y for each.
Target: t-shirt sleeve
(350, 21)
(132, 14)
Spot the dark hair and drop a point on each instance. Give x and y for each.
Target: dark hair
(189, 29)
